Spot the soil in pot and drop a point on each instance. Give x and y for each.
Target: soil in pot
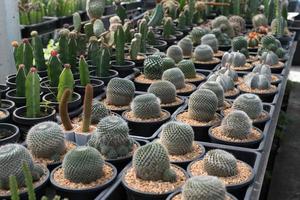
(226, 105)
(8, 105)
(231, 93)
(197, 80)
(278, 66)
(263, 117)
(114, 108)
(139, 61)
(4, 115)
(187, 90)
(97, 85)
(106, 79)
(244, 88)
(246, 67)
(9, 133)
(129, 115)
(178, 196)
(72, 105)
(142, 83)
(252, 59)
(172, 107)
(219, 54)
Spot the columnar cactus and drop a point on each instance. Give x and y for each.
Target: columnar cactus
(151, 36)
(87, 108)
(38, 51)
(188, 68)
(251, 104)
(72, 45)
(269, 58)
(33, 90)
(146, 106)
(93, 50)
(103, 64)
(54, 69)
(177, 137)
(223, 38)
(128, 26)
(203, 104)
(223, 23)
(50, 132)
(63, 48)
(164, 90)
(216, 88)
(99, 111)
(151, 162)
(168, 63)
(203, 53)
(83, 165)
(66, 81)
(119, 39)
(143, 29)
(153, 67)
(211, 40)
(186, 46)
(196, 34)
(120, 10)
(259, 20)
(120, 92)
(168, 28)
(257, 81)
(135, 46)
(224, 80)
(20, 81)
(204, 187)
(175, 76)
(95, 8)
(77, 22)
(175, 52)
(112, 138)
(181, 22)
(240, 44)
(220, 163)
(27, 57)
(84, 71)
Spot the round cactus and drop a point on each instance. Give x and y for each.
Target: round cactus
(151, 162)
(146, 106)
(120, 92)
(112, 138)
(95, 8)
(223, 23)
(215, 88)
(240, 44)
(236, 124)
(99, 111)
(220, 163)
(204, 187)
(257, 81)
(186, 46)
(223, 38)
(251, 104)
(264, 70)
(203, 53)
(83, 165)
(238, 21)
(168, 63)
(269, 58)
(177, 137)
(164, 90)
(211, 40)
(46, 140)
(259, 20)
(229, 72)
(153, 67)
(175, 53)
(234, 59)
(188, 68)
(203, 104)
(175, 76)
(196, 35)
(270, 42)
(225, 81)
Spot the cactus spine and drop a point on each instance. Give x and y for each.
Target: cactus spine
(38, 51)
(84, 72)
(63, 110)
(66, 81)
(20, 81)
(54, 69)
(119, 39)
(87, 108)
(32, 86)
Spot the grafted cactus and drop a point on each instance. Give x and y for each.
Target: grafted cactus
(203, 53)
(259, 20)
(99, 111)
(216, 88)
(168, 63)
(257, 81)
(83, 165)
(120, 92)
(240, 44)
(234, 59)
(220, 163)
(269, 58)
(175, 76)
(223, 23)
(164, 90)
(95, 8)
(251, 104)
(264, 70)
(229, 72)
(66, 81)
(112, 138)
(203, 104)
(151, 162)
(153, 67)
(33, 91)
(224, 80)
(211, 40)
(146, 106)
(186, 46)
(38, 53)
(188, 68)
(196, 34)
(177, 137)
(175, 52)
(54, 69)
(20, 81)
(63, 48)
(72, 46)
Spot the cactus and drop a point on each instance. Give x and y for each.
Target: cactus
(151, 40)
(251, 104)
(87, 108)
(211, 40)
(253, 40)
(164, 90)
(229, 72)
(203, 53)
(83, 165)
(18, 53)
(186, 46)
(27, 55)
(240, 44)
(119, 39)
(77, 22)
(50, 132)
(120, 10)
(38, 53)
(66, 81)
(20, 81)
(220, 163)
(188, 68)
(239, 22)
(177, 137)
(99, 111)
(223, 23)
(216, 88)
(157, 15)
(203, 104)
(223, 38)
(89, 29)
(175, 53)
(12, 157)
(259, 20)
(257, 81)
(204, 187)
(135, 46)
(112, 138)
(153, 67)
(32, 93)
(72, 45)
(63, 45)
(128, 26)
(143, 29)
(175, 76)
(120, 92)
(234, 59)
(269, 42)
(182, 22)
(93, 50)
(54, 69)
(28, 181)
(264, 70)
(269, 58)
(196, 34)
(151, 162)
(224, 80)
(168, 29)
(95, 8)
(84, 71)
(168, 63)
(63, 110)
(98, 27)
(146, 106)
(103, 65)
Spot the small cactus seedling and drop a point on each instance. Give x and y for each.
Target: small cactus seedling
(54, 69)
(20, 81)
(164, 90)
(38, 51)
(146, 106)
(87, 108)
(84, 71)
(63, 110)
(66, 81)
(33, 90)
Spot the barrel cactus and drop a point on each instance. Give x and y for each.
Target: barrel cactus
(164, 90)
(229, 72)
(153, 67)
(269, 58)
(238, 23)
(196, 34)
(175, 76)
(168, 63)
(83, 165)
(215, 88)
(224, 80)
(223, 23)
(186, 45)
(259, 20)
(250, 104)
(146, 106)
(46, 140)
(223, 38)
(211, 40)
(257, 81)
(177, 137)
(240, 44)
(203, 104)
(95, 8)
(99, 111)
(203, 53)
(264, 70)
(151, 162)
(175, 53)
(220, 163)
(188, 68)
(234, 59)
(120, 92)
(269, 42)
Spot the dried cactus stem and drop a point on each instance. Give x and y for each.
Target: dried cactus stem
(87, 108)
(63, 110)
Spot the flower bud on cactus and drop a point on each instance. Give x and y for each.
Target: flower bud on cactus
(216, 88)
(211, 40)
(188, 68)
(175, 76)
(203, 53)
(120, 92)
(146, 106)
(269, 58)
(186, 46)
(54, 69)
(175, 53)
(153, 67)
(164, 90)
(251, 104)
(33, 91)
(66, 81)
(20, 81)
(99, 111)
(257, 81)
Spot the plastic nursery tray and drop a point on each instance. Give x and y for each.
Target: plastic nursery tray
(117, 191)
(47, 25)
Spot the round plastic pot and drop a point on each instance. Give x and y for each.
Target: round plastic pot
(73, 105)
(11, 81)
(185, 31)
(276, 70)
(276, 83)
(98, 86)
(234, 96)
(253, 50)
(179, 35)
(224, 47)
(284, 40)
(12, 133)
(139, 63)
(6, 118)
(197, 82)
(208, 66)
(125, 69)
(187, 93)
(8, 105)
(46, 88)
(171, 196)
(173, 108)
(113, 74)
(170, 41)
(143, 87)
(3, 90)
(161, 45)
(151, 51)
(19, 101)
(267, 97)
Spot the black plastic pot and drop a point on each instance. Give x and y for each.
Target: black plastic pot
(161, 45)
(277, 70)
(171, 196)
(11, 135)
(173, 108)
(79, 194)
(8, 105)
(207, 66)
(179, 35)
(201, 73)
(224, 47)
(46, 88)
(189, 92)
(6, 118)
(47, 25)
(98, 87)
(185, 31)
(73, 105)
(11, 81)
(43, 73)
(125, 69)
(113, 74)
(285, 40)
(267, 97)
(170, 41)
(19, 101)
(138, 63)
(3, 90)
(151, 51)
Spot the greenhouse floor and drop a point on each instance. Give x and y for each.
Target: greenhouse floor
(286, 174)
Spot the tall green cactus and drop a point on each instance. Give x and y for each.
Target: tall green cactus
(27, 55)
(119, 38)
(87, 108)
(18, 53)
(38, 53)
(20, 81)
(66, 81)
(168, 28)
(63, 48)
(135, 46)
(84, 71)
(143, 29)
(127, 30)
(93, 50)
(54, 69)
(33, 90)
(72, 45)
(120, 10)
(77, 21)
(103, 65)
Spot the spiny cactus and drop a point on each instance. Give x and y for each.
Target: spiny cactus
(54, 69)
(77, 21)
(175, 52)
(269, 58)
(168, 63)
(119, 39)
(216, 88)
(196, 34)
(186, 46)
(203, 104)
(128, 26)
(223, 23)
(63, 48)
(72, 45)
(87, 108)
(18, 53)
(259, 20)
(175, 76)
(151, 162)
(224, 80)
(240, 44)
(233, 59)
(240, 22)
(95, 8)
(181, 22)
(220, 163)
(46, 140)
(211, 40)
(63, 110)
(93, 50)
(203, 53)
(83, 165)
(119, 92)
(98, 27)
(164, 90)
(32, 93)
(257, 81)
(253, 40)
(38, 53)
(229, 72)
(103, 64)
(204, 187)
(168, 28)
(143, 30)
(251, 104)
(99, 111)
(153, 67)
(146, 106)
(66, 81)
(264, 70)
(223, 38)
(84, 71)
(112, 138)
(188, 68)
(27, 58)
(120, 10)
(177, 137)
(135, 46)
(20, 81)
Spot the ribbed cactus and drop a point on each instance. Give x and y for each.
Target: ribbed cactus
(188, 68)
(98, 27)
(211, 40)
(175, 52)
(119, 39)
(177, 137)
(120, 10)
(32, 93)
(203, 104)
(128, 26)
(257, 81)
(259, 20)
(120, 92)
(269, 58)
(135, 46)
(103, 64)
(112, 138)
(196, 34)
(253, 40)
(223, 23)
(229, 72)
(93, 50)
(143, 30)
(153, 67)
(203, 53)
(146, 106)
(168, 63)
(234, 59)
(223, 38)
(63, 110)
(18, 53)
(151, 162)
(99, 111)
(20, 81)
(38, 53)
(77, 21)
(46, 140)
(216, 88)
(224, 80)
(182, 22)
(27, 55)
(12, 157)
(264, 70)
(269, 42)
(240, 44)
(151, 36)
(84, 71)
(186, 46)
(204, 187)
(175, 76)
(83, 165)
(169, 29)
(239, 21)
(54, 69)
(87, 108)
(251, 104)
(72, 45)
(164, 90)
(95, 8)
(220, 163)
(66, 81)
(63, 47)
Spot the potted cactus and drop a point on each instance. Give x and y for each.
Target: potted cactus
(240, 44)
(196, 34)
(186, 45)
(211, 40)
(253, 41)
(231, 73)
(75, 180)
(168, 31)
(175, 52)
(260, 23)
(225, 25)
(275, 79)
(191, 75)
(135, 49)
(270, 43)
(236, 61)
(151, 176)
(203, 57)
(224, 40)
(152, 40)
(272, 60)
(9, 133)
